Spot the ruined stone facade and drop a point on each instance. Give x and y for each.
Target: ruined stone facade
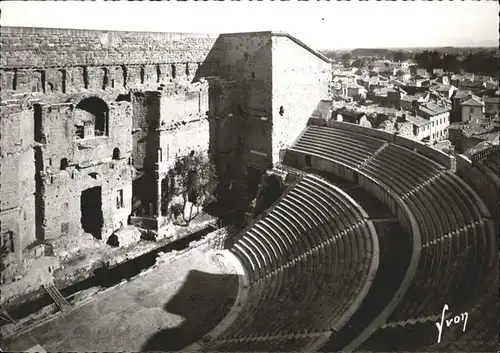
(86, 114)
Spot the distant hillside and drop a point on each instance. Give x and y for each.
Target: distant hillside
(370, 52)
(388, 52)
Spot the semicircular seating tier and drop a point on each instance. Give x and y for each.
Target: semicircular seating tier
(484, 177)
(453, 232)
(309, 261)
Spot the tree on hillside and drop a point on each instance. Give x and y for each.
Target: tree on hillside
(481, 62)
(428, 59)
(450, 63)
(346, 57)
(400, 56)
(359, 63)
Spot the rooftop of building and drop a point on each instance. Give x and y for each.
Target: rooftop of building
(473, 102)
(417, 120)
(484, 145)
(492, 100)
(442, 87)
(461, 94)
(432, 109)
(475, 127)
(489, 136)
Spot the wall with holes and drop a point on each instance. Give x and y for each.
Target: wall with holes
(183, 121)
(66, 61)
(69, 163)
(247, 57)
(93, 78)
(59, 134)
(298, 86)
(168, 123)
(62, 198)
(17, 175)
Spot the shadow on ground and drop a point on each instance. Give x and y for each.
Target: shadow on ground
(203, 301)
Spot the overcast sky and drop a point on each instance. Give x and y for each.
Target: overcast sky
(322, 25)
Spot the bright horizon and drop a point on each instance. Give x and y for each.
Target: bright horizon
(321, 25)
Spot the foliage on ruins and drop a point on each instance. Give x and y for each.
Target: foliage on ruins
(3, 258)
(195, 180)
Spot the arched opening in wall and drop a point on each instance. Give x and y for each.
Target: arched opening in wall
(116, 154)
(64, 164)
(105, 78)
(143, 75)
(85, 77)
(174, 73)
(92, 117)
(187, 69)
(51, 87)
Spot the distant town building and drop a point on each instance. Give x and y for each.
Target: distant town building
(472, 108)
(438, 72)
(492, 106)
(458, 97)
(439, 117)
(422, 73)
(421, 126)
(467, 135)
(444, 89)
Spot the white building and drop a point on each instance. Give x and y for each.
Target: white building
(421, 127)
(439, 118)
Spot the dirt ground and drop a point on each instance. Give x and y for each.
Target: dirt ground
(165, 310)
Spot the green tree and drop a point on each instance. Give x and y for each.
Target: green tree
(400, 56)
(197, 181)
(359, 63)
(450, 62)
(4, 252)
(346, 57)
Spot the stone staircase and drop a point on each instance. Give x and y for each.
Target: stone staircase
(57, 297)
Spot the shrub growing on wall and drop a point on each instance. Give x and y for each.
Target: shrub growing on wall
(4, 253)
(195, 180)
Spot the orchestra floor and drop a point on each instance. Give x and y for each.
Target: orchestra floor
(165, 310)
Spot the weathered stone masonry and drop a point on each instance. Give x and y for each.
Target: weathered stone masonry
(85, 114)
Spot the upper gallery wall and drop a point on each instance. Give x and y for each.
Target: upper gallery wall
(42, 47)
(68, 60)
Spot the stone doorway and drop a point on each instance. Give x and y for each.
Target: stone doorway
(91, 208)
